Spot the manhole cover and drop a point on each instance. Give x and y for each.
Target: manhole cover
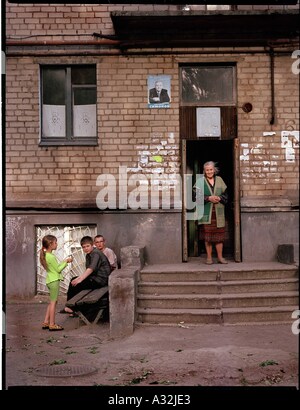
(65, 371)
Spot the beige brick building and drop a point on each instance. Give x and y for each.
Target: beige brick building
(78, 113)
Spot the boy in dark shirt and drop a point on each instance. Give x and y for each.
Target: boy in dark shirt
(96, 273)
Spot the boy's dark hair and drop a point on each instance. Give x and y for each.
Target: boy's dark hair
(99, 236)
(86, 239)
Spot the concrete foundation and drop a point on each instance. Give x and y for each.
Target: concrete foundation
(263, 230)
(150, 230)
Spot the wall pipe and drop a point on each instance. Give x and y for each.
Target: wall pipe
(106, 42)
(272, 120)
(113, 52)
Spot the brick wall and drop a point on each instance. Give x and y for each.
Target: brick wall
(70, 19)
(127, 129)
(76, 20)
(266, 169)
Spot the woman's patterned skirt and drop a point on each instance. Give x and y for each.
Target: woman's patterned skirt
(210, 232)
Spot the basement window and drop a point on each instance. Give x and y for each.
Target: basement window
(68, 243)
(68, 109)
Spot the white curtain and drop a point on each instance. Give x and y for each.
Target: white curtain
(84, 120)
(54, 120)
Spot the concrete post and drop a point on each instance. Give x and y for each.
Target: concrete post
(132, 256)
(123, 292)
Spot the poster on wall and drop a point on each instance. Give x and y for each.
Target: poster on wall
(159, 91)
(208, 122)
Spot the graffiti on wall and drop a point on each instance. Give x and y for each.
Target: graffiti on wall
(290, 142)
(161, 158)
(16, 235)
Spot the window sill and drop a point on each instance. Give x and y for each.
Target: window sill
(74, 143)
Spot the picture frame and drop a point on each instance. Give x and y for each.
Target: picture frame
(159, 91)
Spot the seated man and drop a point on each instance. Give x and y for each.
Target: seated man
(99, 242)
(95, 275)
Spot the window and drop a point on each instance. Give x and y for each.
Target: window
(208, 85)
(68, 114)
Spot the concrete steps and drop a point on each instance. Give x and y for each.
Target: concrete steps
(235, 293)
(176, 316)
(215, 287)
(206, 301)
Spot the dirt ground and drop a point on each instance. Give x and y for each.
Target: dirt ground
(183, 355)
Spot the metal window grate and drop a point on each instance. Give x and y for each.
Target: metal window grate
(68, 243)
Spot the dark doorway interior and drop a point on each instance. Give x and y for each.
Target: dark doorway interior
(221, 152)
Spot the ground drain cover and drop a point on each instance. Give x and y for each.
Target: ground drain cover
(65, 371)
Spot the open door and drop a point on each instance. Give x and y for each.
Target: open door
(184, 211)
(208, 131)
(225, 154)
(236, 202)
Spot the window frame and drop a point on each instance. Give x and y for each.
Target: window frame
(211, 66)
(68, 139)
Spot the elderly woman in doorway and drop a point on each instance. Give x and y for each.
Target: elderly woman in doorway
(212, 223)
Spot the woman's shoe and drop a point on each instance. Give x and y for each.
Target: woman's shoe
(209, 261)
(222, 260)
(45, 325)
(55, 327)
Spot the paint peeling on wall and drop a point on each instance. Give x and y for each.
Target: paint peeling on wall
(257, 150)
(290, 142)
(246, 151)
(159, 158)
(269, 134)
(256, 166)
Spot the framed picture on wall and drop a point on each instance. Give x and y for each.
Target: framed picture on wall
(159, 91)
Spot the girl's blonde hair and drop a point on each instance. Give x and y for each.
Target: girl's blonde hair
(46, 242)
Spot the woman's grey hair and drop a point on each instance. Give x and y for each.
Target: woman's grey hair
(211, 164)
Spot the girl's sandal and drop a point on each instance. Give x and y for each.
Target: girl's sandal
(45, 325)
(55, 327)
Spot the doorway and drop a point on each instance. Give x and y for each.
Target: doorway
(222, 153)
(208, 131)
